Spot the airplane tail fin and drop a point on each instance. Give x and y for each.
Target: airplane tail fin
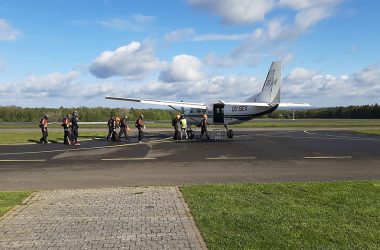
(271, 90)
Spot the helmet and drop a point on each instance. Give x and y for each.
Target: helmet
(182, 116)
(126, 117)
(46, 115)
(141, 116)
(75, 113)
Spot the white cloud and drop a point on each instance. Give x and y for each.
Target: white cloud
(333, 90)
(135, 22)
(132, 61)
(236, 11)
(183, 68)
(210, 89)
(7, 32)
(300, 74)
(179, 35)
(282, 26)
(190, 35)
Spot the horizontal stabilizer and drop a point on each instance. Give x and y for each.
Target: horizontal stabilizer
(163, 103)
(294, 105)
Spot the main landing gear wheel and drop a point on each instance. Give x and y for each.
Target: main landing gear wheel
(190, 134)
(230, 133)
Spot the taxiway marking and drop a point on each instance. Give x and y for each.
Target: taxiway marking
(15, 160)
(328, 157)
(129, 159)
(231, 158)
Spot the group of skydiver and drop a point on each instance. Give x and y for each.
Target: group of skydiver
(121, 122)
(70, 127)
(179, 124)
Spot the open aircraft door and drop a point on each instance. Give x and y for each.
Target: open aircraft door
(218, 113)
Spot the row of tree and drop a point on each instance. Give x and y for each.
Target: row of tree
(18, 114)
(350, 112)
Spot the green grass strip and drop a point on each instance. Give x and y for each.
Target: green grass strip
(8, 200)
(368, 131)
(18, 137)
(337, 215)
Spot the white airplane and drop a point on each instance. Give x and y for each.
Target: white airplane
(226, 113)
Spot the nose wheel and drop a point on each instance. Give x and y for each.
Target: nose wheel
(230, 132)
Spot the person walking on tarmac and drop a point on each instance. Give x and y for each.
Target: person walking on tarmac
(183, 124)
(44, 122)
(140, 126)
(74, 128)
(175, 124)
(113, 128)
(66, 123)
(204, 124)
(109, 125)
(124, 128)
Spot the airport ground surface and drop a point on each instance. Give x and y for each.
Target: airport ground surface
(261, 155)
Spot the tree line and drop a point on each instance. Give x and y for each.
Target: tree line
(98, 114)
(350, 112)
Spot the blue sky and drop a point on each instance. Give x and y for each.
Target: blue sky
(73, 53)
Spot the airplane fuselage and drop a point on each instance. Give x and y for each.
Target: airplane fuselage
(225, 114)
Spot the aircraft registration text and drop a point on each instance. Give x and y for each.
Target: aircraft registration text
(239, 108)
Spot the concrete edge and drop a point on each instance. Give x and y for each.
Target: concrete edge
(198, 234)
(20, 206)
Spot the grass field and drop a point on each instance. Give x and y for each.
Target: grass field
(34, 137)
(338, 215)
(368, 131)
(10, 199)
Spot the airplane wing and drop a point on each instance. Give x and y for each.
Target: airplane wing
(163, 103)
(251, 104)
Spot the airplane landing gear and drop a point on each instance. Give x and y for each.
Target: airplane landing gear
(230, 132)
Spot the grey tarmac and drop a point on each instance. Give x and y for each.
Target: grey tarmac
(251, 156)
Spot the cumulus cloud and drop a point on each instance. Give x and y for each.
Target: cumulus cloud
(236, 11)
(213, 88)
(308, 84)
(132, 61)
(280, 28)
(7, 32)
(183, 68)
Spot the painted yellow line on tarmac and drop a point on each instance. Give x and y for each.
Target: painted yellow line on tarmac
(231, 158)
(328, 157)
(15, 160)
(129, 159)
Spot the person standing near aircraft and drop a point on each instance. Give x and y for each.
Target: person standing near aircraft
(140, 126)
(113, 129)
(44, 128)
(124, 128)
(204, 124)
(175, 124)
(109, 125)
(66, 123)
(183, 124)
(74, 128)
